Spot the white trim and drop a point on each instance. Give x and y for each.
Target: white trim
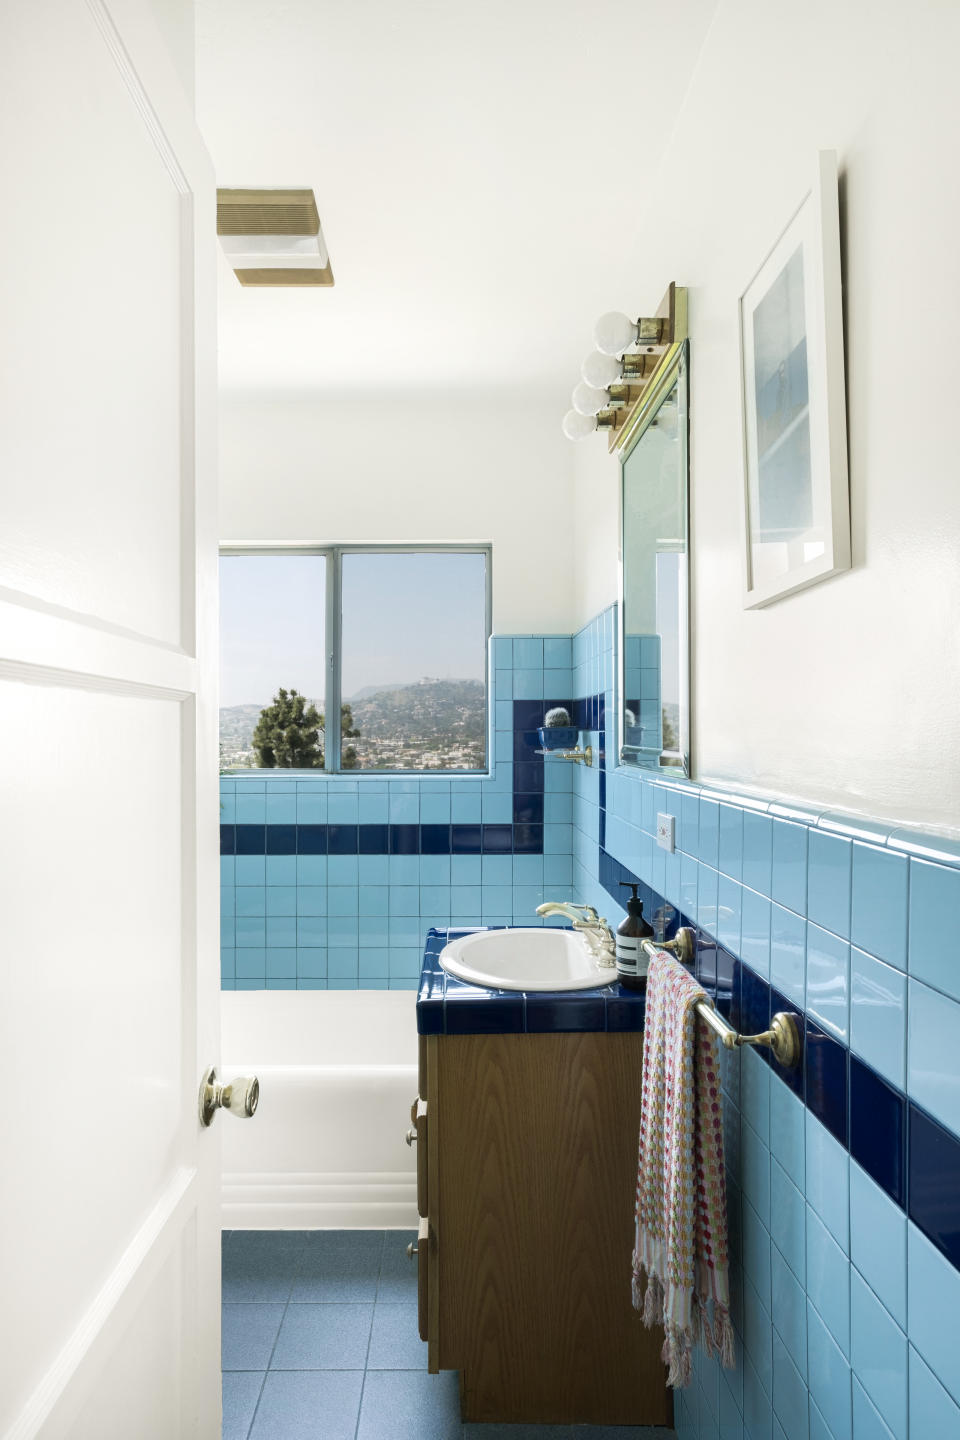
(319, 1201)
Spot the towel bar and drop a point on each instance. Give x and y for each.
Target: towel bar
(783, 1037)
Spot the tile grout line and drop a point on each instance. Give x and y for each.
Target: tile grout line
(253, 1418)
(363, 1383)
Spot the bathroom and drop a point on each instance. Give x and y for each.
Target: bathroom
(490, 181)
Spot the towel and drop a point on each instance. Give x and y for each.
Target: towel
(681, 1239)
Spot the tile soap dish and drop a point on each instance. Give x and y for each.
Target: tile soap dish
(561, 741)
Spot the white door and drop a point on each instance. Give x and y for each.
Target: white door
(109, 1242)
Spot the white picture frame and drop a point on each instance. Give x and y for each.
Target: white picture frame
(796, 492)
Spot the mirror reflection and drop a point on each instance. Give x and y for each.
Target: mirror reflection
(654, 586)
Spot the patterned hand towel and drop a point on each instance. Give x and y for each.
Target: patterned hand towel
(681, 1239)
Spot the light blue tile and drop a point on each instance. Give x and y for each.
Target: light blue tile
(755, 1091)
(281, 869)
(343, 900)
(879, 1355)
(819, 1429)
(688, 884)
(933, 1304)
(404, 900)
(344, 983)
(755, 932)
(867, 1423)
(465, 807)
(434, 869)
(557, 869)
(829, 1377)
(281, 809)
(755, 1165)
(757, 1407)
(465, 870)
(373, 869)
(828, 1181)
(933, 1072)
(373, 964)
(557, 652)
(501, 650)
(465, 899)
(241, 1391)
(292, 1400)
(756, 1252)
(404, 869)
(251, 870)
(401, 982)
(373, 931)
(878, 920)
(932, 1411)
(557, 683)
(248, 1332)
(828, 1281)
(757, 843)
(404, 809)
(251, 809)
(878, 1242)
(228, 960)
(789, 865)
(709, 831)
(729, 895)
(787, 954)
(556, 839)
(394, 1341)
(311, 963)
(497, 899)
(227, 870)
(312, 930)
(557, 808)
(789, 1311)
(281, 963)
(828, 981)
(408, 1405)
(434, 809)
(496, 809)
(689, 827)
(343, 932)
(527, 652)
(251, 900)
(707, 898)
(758, 1336)
(228, 808)
(310, 982)
(373, 809)
(311, 807)
(789, 1393)
(528, 684)
(247, 982)
(281, 930)
(730, 849)
(251, 931)
(934, 907)
(503, 684)
(371, 900)
(311, 869)
(828, 882)
(281, 899)
(788, 1131)
(878, 1015)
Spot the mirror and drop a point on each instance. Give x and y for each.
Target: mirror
(654, 594)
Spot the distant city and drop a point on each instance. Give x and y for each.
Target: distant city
(430, 725)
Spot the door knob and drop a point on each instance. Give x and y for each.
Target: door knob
(239, 1096)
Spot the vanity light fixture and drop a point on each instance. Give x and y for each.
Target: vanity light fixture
(273, 237)
(619, 383)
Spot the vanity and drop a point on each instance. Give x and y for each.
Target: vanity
(526, 1128)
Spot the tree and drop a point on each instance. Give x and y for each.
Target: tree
(287, 735)
(348, 756)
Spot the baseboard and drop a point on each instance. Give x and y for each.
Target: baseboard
(320, 1201)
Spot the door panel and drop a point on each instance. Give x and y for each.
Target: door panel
(109, 1209)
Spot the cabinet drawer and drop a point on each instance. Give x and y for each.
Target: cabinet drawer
(417, 1135)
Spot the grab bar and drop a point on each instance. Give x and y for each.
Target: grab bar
(783, 1037)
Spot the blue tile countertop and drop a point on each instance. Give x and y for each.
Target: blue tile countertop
(448, 1006)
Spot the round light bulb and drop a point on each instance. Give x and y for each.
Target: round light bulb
(601, 370)
(615, 333)
(577, 426)
(588, 400)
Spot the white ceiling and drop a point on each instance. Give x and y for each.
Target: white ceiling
(477, 170)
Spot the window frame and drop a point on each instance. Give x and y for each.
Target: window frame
(333, 642)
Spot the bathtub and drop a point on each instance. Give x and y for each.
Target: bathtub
(326, 1148)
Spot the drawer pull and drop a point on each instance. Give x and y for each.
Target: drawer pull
(412, 1250)
(410, 1136)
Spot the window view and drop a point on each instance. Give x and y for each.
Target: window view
(410, 665)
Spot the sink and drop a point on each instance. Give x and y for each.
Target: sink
(546, 959)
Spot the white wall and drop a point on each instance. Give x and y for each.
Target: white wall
(176, 21)
(848, 693)
(306, 470)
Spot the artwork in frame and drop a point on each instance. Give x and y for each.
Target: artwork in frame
(797, 507)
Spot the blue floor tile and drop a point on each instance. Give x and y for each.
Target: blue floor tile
(309, 1405)
(398, 1273)
(241, 1391)
(404, 1405)
(248, 1335)
(339, 1267)
(395, 1342)
(261, 1264)
(323, 1337)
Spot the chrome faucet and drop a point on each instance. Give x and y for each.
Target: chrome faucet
(595, 931)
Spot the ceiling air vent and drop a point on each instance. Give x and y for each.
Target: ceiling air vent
(273, 237)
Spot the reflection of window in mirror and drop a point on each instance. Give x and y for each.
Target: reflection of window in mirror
(655, 667)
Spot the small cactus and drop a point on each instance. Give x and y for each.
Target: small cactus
(555, 717)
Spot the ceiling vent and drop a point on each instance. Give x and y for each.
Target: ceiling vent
(273, 237)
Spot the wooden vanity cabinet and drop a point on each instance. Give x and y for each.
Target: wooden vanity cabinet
(526, 1191)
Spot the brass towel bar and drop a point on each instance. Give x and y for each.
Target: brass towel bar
(783, 1037)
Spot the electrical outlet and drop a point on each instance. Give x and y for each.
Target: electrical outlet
(665, 832)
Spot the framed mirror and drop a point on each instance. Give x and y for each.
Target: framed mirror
(654, 581)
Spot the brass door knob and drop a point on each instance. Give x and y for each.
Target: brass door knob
(410, 1136)
(239, 1096)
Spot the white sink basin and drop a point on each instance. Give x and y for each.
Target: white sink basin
(525, 960)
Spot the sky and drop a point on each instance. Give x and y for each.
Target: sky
(404, 617)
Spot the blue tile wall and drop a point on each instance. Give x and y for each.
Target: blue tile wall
(843, 1178)
(333, 882)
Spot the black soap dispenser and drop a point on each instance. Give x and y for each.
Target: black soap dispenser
(632, 961)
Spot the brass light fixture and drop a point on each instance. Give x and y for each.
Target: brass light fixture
(273, 237)
(621, 376)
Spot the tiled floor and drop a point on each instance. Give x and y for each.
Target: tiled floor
(320, 1343)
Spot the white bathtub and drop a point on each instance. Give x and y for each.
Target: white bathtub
(326, 1148)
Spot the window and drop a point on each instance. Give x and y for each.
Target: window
(395, 638)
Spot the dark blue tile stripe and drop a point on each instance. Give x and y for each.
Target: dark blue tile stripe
(521, 838)
(914, 1159)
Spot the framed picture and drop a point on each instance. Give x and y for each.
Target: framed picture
(797, 506)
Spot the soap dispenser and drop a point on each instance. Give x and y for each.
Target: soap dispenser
(632, 961)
